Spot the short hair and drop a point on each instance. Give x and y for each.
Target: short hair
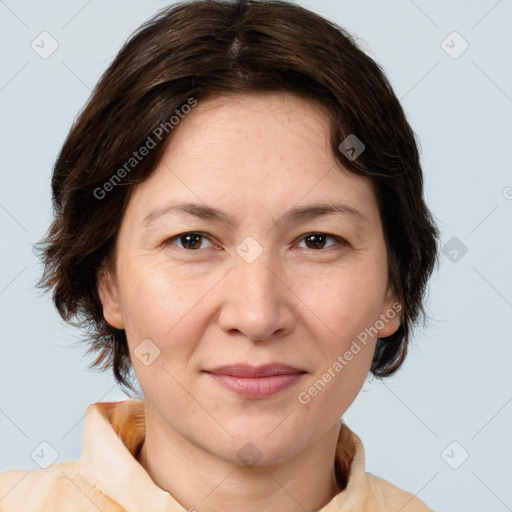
(202, 49)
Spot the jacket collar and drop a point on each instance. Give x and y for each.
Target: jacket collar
(114, 432)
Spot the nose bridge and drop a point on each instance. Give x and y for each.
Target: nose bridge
(256, 279)
(255, 302)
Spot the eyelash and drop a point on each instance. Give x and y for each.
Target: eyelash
(338, 240)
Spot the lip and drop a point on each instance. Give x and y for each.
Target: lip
(256, 381)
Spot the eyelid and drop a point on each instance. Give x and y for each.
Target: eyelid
(337, 239)
(170, 240)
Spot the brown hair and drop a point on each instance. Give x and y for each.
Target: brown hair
(194, 50)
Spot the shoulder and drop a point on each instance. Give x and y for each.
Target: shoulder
(365, 490)
(54, 489)
(391, 498)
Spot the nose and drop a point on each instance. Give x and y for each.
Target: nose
(258, 302)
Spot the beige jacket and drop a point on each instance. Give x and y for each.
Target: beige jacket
(108, 477)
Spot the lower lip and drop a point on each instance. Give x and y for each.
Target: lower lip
(257, 387)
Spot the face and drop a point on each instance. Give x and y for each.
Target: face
(248, 268)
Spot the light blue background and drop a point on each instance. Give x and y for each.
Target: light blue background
(456, 384)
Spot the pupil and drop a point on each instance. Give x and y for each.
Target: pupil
(318, 240)
(191, 240)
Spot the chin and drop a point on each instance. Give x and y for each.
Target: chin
(255, 443)
(258, 453)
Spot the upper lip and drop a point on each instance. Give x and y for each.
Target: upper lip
(247, 371)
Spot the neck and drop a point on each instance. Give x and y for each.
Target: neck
(207, 483)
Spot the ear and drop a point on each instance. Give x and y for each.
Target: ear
(109, 296)
(390, 315)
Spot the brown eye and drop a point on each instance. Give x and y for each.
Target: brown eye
(315, 240)
(319, 240)
(189, 241)
(192, 241)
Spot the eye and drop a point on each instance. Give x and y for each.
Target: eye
(190, 241)
(318, 240)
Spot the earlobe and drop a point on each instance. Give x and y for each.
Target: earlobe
(109, 296)
(389, 320)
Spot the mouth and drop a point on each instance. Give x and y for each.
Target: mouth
(256, 381)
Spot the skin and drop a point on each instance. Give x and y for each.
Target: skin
(254, 157)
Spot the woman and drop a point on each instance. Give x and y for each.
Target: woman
(239, 219)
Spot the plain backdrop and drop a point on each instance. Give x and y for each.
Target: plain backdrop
(441, 426)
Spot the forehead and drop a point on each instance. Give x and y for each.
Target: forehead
(252, 152)
(273, 127)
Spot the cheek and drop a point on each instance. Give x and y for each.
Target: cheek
(328, 393)
(346, 301)
(154, 296)
(348, 304)
(157, 304)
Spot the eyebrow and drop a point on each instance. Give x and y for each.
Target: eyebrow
(292, 216)
(302, 213)
(200, 211)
